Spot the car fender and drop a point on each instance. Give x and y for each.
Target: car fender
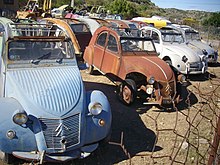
(24, 139)
(95, 132)
(88, 55)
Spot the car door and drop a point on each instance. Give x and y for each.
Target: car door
(111, 59)
(99, 49)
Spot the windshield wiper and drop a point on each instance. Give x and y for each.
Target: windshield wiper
(60, 57)
(45, 56)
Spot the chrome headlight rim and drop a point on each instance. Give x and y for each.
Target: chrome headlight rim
(149, 89)
(204, 51)
(20, 117)
(151, 80)
(95, 108)
(184, 59)
(181, 78)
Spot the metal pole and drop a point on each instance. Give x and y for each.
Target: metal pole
(215, 144)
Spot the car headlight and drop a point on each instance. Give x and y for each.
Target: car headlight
(204, 52)
(20, 117)
(95, 108)
(181, 78)
(151, 80)
(149, 89)
(184, 59)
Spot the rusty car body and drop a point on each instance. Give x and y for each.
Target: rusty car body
(133, 68)
(46, 113)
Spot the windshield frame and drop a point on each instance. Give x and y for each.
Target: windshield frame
(134, 47)
(53, 55)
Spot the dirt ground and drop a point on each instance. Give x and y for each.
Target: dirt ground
(138, 130)
(148, 135)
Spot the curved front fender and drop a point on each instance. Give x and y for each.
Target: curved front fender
(24, 139)
(94, 131)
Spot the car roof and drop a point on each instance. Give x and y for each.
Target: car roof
(120, 33)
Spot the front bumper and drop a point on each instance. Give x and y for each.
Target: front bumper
(196, 68)
(41, 157)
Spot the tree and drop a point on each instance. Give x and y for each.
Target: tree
(125, 8)
(213, 20)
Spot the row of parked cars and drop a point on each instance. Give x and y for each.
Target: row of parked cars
(42, 95)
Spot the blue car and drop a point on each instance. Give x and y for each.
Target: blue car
(46, 114)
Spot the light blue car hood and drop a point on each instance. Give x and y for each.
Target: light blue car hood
(45, 90)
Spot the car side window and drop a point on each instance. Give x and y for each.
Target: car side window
(112, 44)
(155, 37)
(146, 33)
(101, 39)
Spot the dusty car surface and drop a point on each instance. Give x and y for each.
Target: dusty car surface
(171, 47)
(135, 69)
(193, 39)
(46, 114)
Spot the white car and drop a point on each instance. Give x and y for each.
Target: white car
(58, 12)
(171, 47)
(193, 39)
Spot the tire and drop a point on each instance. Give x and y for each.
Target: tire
(127, 91)
(90, 69)
(6, 158)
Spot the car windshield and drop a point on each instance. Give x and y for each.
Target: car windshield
(192, 35)
(135, 45)
(32, 50)
(172, 36)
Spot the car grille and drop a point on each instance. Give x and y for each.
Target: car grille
(56, 130)
(196, 65)
(167, 88)
(211, 56)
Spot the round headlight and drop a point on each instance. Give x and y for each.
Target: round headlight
(149, 89)
(184, 59)
(181, 78)
(204, 52)
(95, 108)
(151, 80)
(20, 117)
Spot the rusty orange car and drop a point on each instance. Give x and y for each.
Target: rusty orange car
(133, 65)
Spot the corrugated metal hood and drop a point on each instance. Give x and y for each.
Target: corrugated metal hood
(52, 90)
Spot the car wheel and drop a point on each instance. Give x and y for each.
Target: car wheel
(6, 158)
(90, 68)
(127, 91)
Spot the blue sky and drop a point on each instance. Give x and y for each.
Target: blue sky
(204, 5)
